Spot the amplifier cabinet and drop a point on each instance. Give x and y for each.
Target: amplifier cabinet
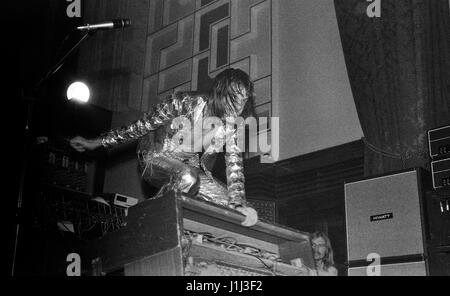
(397, 219)
(59, 165)
(384, 216)
(440, 170)
(439, 142)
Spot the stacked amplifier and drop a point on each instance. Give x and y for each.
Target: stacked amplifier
(396, 226)
(439, 149)
(386, 230)
(438, 200)
(60, 165)
(399, 223)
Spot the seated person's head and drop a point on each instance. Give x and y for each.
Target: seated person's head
(322, 249)
(232, 94)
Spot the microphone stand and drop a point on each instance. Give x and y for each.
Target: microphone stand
(61, 62)
(26, 149)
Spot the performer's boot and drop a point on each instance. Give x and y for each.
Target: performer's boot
(186, 181)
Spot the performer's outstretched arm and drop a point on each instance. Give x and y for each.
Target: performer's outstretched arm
(236, 180)
(173, 106)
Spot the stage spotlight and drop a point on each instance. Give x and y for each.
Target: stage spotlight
(78, 91)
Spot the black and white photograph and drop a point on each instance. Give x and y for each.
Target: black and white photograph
(227, 141)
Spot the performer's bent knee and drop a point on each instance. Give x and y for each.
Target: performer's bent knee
(188, 181)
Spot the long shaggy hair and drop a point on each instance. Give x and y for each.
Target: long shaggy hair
(223, 95)
(328, 259)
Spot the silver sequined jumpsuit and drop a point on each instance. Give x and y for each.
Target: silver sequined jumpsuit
(165, 165)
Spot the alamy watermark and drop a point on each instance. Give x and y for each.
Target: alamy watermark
(74, 8)
(374, 8)
(74, 266)
(212, 134)
(374, 268)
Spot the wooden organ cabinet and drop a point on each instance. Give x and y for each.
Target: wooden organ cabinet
(175, 235)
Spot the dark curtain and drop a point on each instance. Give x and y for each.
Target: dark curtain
(398, 66)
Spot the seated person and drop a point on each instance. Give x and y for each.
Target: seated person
(323, 254)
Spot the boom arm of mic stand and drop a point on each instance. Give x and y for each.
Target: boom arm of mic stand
(61, 62)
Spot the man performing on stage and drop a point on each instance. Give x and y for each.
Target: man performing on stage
(163, 157)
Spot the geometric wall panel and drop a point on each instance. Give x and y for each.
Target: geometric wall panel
(177, 9)
(219, 45)
(198, 70)
(182, 87)
(155, 43)
(256, 43)
(240, 16)
(201, 3)
(182, 48)
(203, 79)
(175, 76)
(242, 64)
(151, 96)
(263, 91)
(190, 41)
(206, 17)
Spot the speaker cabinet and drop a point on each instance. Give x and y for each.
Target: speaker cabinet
(385, 217)
(440, 170)
(439, 142)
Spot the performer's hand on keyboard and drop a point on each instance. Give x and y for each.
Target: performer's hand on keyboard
(81, 144)
(251, 216)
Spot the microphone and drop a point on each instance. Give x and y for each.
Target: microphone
(114, 24)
